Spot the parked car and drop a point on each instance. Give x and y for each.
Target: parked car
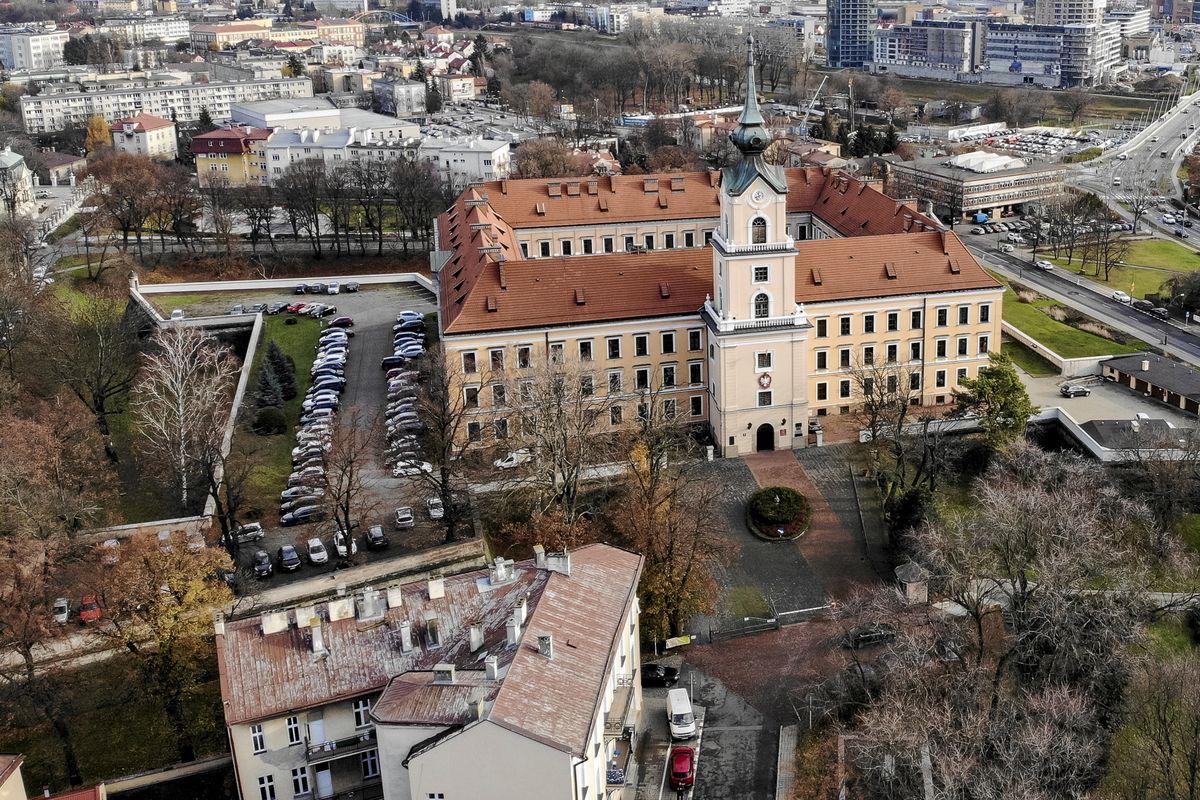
(258, 308)
(333, 288)
(351, 287)
(376, 539)
(300, 288)
(869, 633)
(316, 288)
(659, 675)
(276, 308)
(405, 518)
(407, 468)
(343, 544)
(317, 554)
(1142, 305)
(263, 566)
(683, 767)
(89, 609)
(514, 459)
(1121, 297)
(1004, 247)
(392, 361)
(435, 508)
(251, 531)
(289, 559)
(341, 322)
(302, 515)
(1043, 265)
(1074, 390)
(238, 309)
(60, 612)
(1160, 312)
(409, 314)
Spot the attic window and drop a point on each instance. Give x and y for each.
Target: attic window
(555, 189)
(573, 189)
(491, 304)
(816, 277)
(540, 208)
(651, 185)
(592, 188)
(677, 183)
(664, 290)
(890, 269)
(603, 204)
(579, 298)
(955, 268)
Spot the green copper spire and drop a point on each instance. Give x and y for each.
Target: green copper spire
(751, 137)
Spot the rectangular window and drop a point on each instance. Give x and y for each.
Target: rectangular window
(266, 787)
(608, 244)
(696, 405)
(362, 712)
(868, 386)
(524, 357)
(370, 764)
(959, 375)
(556, 352)
(293, 730)
(983, 346)
(893, 321)
(892, 384)
(689, 238)
(300, 781)
(468, 362)
(916, 320)
(939, 378)
(497, 359)
(694, 341)
(649, 240)
(526, 391)
(764, 399)
(695, 373)
(669, 241)
(844, 326)
(524, 245)
(822, 391)
(614, 415)
(585, 350)
(668, 342)
(763, 360)
(587, 246)
(914, 351)
(892, 354)
(762, 274)
(843, 389)
(614, 346)
(985, 313)
(943, 317)
(822, 328)
(670, 411)
(258, 742)
(641, 345)
(587, 385)
(939, 348)
(499, 396)
(474, 432)
(914, 381)
(544, 249)
(668, 375)
(707, 237)
(501, 428)
(641, 378)
(868, 355)
(628, 244)
(471, 396)
(566, 247)
(868, 323)
(615, 380)
(822, 359)
(643, 411)
(964, 315)
(844, 358)
(962, 345)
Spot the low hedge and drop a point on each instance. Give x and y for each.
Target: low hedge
(778, 512)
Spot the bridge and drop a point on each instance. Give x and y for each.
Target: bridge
(384, 17)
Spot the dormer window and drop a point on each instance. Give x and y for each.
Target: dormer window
(762, 306)
(758, 231)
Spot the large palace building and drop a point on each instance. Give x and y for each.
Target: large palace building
(754, 299)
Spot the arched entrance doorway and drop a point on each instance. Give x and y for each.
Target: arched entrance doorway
(765, 437)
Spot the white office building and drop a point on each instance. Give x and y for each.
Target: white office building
(944, 50)
(314, 113)
(333, 146)
(31, 47)
(138, 30)
(49, 112)
(462, 161)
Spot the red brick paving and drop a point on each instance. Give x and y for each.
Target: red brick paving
(832, 551)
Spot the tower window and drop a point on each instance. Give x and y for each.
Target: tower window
(762, 306)
(758, 231)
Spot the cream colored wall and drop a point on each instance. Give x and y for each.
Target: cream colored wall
(14, 787)
(395, 743)
(736, 414)
(532, 238)
(488, 761)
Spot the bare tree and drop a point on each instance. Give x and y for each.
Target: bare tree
(181, 403)
(1141, 199)
(257, 206)
(1075, 102)
(96, 243)
(348, 461)
(219, 205)
(21, 252)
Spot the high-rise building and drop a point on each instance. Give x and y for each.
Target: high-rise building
(1069, 12)
(850, 33)
(940, 49)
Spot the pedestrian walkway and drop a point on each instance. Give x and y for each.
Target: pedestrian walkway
(831, 549)
(785, 769)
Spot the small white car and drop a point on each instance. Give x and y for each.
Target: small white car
(513, 459)
(317, 554)
(345, 545)
(333, 288)
(1121, 297)
(405, 518)
(61, 610)
(1004, 247)
(1043, 265)
(409, 468)
(435, 507)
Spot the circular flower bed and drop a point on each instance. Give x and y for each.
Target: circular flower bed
(778, 513)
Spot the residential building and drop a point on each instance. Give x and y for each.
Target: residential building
(1069, 12)
(748, 300)
(1050, 55)
(400, 97)
(518, 681)
(138, 30)
(1129, 21)
(335, 147)
(975, 182)
(318, 114)
(224, 35)
(940, 49)
(463, 161)
(145, 135)
(29, 47)
(851, 31)
(60, 167)
(236, 155)
(16, 184)
(48, 112)
(1170, 382)
(336, 30)
(456, 88)
(439, 9)
(438, 35)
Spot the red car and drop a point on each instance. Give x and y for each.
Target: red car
(89, 609)
(683, 767)
(294, 308)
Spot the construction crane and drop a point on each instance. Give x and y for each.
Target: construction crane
(808, 108)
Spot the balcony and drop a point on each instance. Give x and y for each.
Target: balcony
(617, 718)
(719, 324)
(337, 748)
(728, 248)
(622, 768)
(367, 790)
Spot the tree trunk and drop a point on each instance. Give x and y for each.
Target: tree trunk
(70, 760)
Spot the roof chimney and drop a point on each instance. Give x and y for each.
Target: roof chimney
(274, 621)
(520, 609)
(546, 645)
(478, 706)
(443, 673)
(304, 615)
(513, 631)
(369, 606)
(318, 639)
(476, 634)
(341, 608)
(559, 562)
(1145, 365)
(219, 624)
(491, 668)
(395, 598)
(539, 556)
(437, 587)
(406, 637)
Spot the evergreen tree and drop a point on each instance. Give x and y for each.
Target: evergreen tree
(205, 122)
(294, 67)
(267, 392)
(433, 100)
(284, 369)
(890, 140)
(843, 134)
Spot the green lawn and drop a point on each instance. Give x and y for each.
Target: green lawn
(1160, 257)
(1068, 342)
(275, 452)
(1169, 635)
(1164, 254)
(1028, 360)
(747, 601)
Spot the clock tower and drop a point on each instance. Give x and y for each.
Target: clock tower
(758, 331)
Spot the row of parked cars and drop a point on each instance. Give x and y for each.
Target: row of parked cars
(333, 287)
(402, 423)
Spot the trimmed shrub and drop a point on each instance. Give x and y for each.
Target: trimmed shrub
(778, 508)
(269, 422)
(267, 391)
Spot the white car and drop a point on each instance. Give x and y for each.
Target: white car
(317, 554)
(513, 459)
(435, 507)
(1004, 247)
(333, 288)
(61, 610)
(1043, 265)
(409, 468)
(340, 542)
(1121, 297)
(405, 518)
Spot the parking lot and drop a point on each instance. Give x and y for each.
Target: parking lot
(1107, 401)
(373, 310)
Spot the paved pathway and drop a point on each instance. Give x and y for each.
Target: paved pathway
(830, 548)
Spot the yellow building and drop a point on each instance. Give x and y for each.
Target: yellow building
(753, 300)
(236, 155)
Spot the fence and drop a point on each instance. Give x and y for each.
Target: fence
(284, 283)
(749, 628)
(1069, 367)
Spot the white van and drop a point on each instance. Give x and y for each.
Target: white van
(679, 714)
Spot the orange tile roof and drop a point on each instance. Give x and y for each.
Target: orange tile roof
(487, 285)
(141, 122)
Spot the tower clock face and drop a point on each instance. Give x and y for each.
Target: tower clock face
(758, 197)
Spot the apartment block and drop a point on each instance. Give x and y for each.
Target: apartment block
(1051, 55)
(400, 97)
(48, 112)
(463, 161)
(31, 48)
(518, 681)
(940, 49)
(235, 156)
(850, 32)
(139, 30)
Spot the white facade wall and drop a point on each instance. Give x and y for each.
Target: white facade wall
(159, 143)
(32, 49)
